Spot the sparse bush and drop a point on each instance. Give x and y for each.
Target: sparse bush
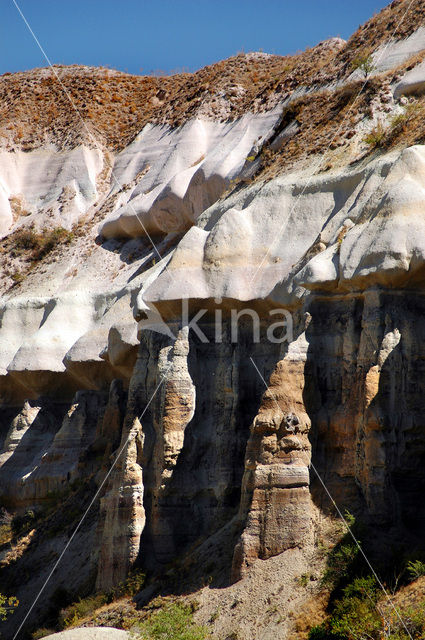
(172, 622)
(303, 580)
(17, 276)
(42, 633)
(26, 239)
(39, 244)
(7, 606)
(6, 532)
(23, 522)
(363, 62)
(400, 121)
(70, 616)
(215, 615)
(56, 236)
(340, 561)
(134, 583)
(376, 137)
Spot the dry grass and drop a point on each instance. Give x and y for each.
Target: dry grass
(26, 247)
(114, 106)
(313, 613)
(35, 106)
(406, 129)
(327, 121)
(17, 549)
(6, 533)
(393, 22)
(36, 245)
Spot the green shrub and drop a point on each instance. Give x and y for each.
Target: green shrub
(172, 622)
(363, 613)
(340, 562)
(70, 616)
(413, 624)
(415, 569)
(363, 62)
(303, 579)
(356, 615)
(321, 632)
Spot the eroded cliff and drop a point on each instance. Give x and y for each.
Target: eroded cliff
(227, 338)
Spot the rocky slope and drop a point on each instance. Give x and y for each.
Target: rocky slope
(285, 193)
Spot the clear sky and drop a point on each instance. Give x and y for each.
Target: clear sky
(147, 36)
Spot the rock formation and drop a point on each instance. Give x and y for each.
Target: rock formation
(309, 240)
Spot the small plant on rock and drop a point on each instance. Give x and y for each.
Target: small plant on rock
(376, 137)
(363, 62)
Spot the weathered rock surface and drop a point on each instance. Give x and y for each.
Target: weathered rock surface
(184, 434)
(90, 633)
(412, 82)
(275, 502)
(183, 171)
(47, 187)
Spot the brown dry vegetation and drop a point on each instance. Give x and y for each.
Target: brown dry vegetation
(112, 107)
(26, 247)
(327, 121)
(396, 21)
(404, 130)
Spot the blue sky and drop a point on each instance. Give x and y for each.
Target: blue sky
(168, 35)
